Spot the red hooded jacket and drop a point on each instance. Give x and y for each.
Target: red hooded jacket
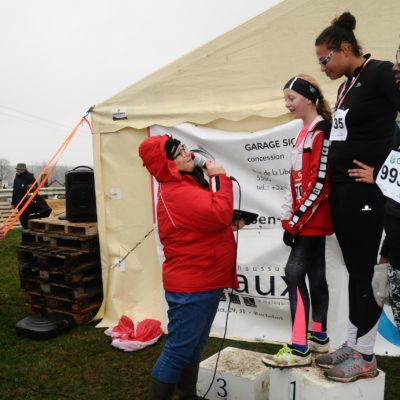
(306, 211)
(194, 224)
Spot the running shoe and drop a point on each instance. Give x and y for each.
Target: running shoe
(332, 359)
(317, 345)
(288, 357)
(355, 367)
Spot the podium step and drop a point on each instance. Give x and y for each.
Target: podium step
(309, 383)
(242, 376)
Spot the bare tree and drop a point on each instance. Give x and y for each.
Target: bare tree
(5, 171)
(58, 173)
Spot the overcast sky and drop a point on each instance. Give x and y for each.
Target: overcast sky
(59, 57)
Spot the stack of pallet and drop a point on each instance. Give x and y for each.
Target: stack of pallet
(59, 267)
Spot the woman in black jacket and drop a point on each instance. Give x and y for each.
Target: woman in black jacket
(363, 129)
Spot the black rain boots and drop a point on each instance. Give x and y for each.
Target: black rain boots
(159, 390)
(187, 382)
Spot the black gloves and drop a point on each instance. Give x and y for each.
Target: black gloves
(289, 239)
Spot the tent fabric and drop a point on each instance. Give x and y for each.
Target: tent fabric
(242, 72)
(233, 83)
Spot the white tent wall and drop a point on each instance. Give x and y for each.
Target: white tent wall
(133, 286)
(233, 83)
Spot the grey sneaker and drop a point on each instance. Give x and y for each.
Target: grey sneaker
(332, 359)
(355, 367)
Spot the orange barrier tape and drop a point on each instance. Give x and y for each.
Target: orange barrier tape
(58, 153)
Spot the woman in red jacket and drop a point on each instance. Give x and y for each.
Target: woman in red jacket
(194, 223)
(306, 221)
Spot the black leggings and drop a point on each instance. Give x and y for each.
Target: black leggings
(307, 258)
(357, 215)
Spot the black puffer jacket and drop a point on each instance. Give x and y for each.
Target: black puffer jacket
(20, 186)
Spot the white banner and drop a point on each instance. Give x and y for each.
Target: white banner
(259, 309)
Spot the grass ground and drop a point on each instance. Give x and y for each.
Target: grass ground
(81, 364)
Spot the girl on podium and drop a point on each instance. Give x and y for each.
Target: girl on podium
(306, 222)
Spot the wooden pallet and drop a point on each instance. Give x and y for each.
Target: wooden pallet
(89, 287)
(83, 305)
(28, 270)
(60, 259)
(60, 268)
(79, 274)
(79, 318)
(51, 277)
(81, 243)
(55, 225)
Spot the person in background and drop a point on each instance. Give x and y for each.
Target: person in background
(306, 221)
(194, 223)
(22, 183)
(38, 207)
(363, 129)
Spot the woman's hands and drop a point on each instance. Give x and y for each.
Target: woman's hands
(212, 168)
(238, 224)
(364, 173)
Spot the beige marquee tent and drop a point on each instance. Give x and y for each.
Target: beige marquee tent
(233, 83)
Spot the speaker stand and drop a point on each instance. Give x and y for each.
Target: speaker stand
(44, 325)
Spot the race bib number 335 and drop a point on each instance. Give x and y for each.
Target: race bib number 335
(339, 128)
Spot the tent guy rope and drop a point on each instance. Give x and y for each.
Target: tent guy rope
(43, 176)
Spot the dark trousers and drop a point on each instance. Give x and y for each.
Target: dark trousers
(38, 208)
(357, 215)
(23, 218)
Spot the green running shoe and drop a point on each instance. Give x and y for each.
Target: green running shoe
(288, 357)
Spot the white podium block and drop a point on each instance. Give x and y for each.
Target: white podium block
(240, 376)
(309, 383)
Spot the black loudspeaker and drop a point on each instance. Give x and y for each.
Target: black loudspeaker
(80, 195)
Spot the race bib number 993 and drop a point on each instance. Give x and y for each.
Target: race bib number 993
(388, 178)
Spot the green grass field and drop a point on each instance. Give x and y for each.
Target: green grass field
(81, 363)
